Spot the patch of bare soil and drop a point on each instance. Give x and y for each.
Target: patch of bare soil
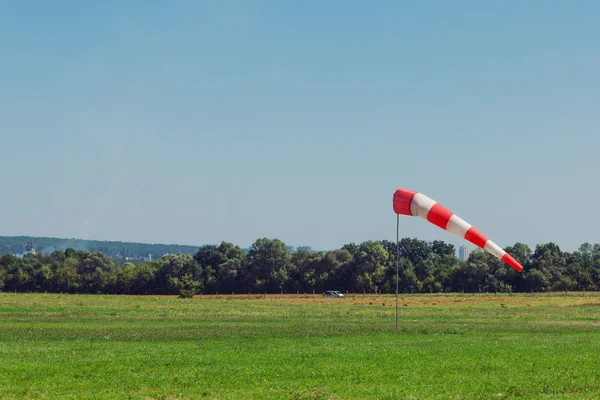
(419, 300)
(567, 323)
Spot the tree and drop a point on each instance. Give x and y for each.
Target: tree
(370, 264)
(442, 248)
(520, 252)
(408, 282)
(179, 271)
(351, 248)
(414, 250)
(3, 277)
(537, 280)
(269, 262)
(65, 278)
(551, 262)
(222, 266)
(304, 272)
(334, 270)
(474, 274)
(229, 267)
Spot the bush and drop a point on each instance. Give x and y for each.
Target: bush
(186, 294)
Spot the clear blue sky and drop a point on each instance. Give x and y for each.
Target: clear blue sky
(193, 122)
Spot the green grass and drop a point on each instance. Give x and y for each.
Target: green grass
(299, 347)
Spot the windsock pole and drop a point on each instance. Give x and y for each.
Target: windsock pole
(397, 262)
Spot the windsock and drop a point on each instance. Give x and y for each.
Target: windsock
(409, 202)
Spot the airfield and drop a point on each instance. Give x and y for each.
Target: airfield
(300, 346)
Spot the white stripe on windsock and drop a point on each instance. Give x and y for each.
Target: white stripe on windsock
(494, 249)
(420, 205)
(458, 226)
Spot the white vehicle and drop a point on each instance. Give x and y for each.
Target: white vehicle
(333, 293)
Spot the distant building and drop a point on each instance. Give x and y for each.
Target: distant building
(29, 248)
(463, 253)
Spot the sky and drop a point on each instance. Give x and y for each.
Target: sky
(196, 122)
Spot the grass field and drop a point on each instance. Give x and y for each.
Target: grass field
(300, 347)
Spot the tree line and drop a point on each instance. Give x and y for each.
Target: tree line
(270, 267)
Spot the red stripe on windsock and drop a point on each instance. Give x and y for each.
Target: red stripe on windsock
(438, 215)
(507, 258)
(402, 199)
(476, 237)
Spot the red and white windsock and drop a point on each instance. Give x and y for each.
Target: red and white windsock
(409, 202)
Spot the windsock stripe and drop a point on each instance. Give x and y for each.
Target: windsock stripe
(402, 201)
(458, 226)
(421, 205)
(438, 215)
(507, 258)
(476, 237)
(494, 249)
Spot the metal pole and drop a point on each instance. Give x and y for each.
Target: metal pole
(397, 262)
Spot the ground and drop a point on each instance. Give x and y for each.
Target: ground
(300, 346)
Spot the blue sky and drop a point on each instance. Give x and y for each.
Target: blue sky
(193, 122)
